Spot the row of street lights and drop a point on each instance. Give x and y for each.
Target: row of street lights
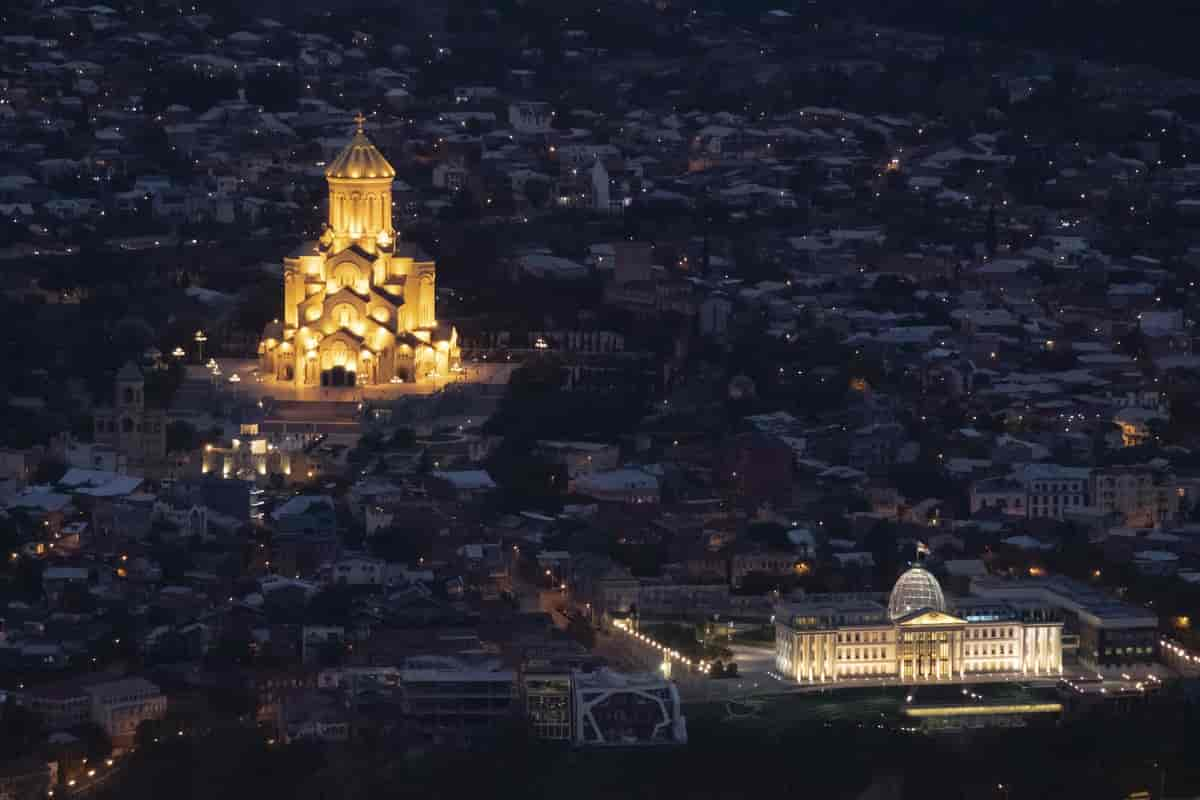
(199, 338)
(212, 365)
(91, 773)
(1179, 652)
(701, 666)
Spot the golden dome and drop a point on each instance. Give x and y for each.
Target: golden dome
(360, 159)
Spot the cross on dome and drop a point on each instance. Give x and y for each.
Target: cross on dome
(360, 159)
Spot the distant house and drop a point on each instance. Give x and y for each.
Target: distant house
(530, 117)
(580, 458)
(619, 486)
(462, 485)
(57, 580)
(119, 706)
(356, 571)
(612, 186)
(309, 715)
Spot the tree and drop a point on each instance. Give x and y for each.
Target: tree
(771, 534)
(96, 743)
(49, 470)
(182, 436)
(403, 438)
(579, 629)
(331, 652)
(990, 234)
(537, 192)
(405, 542)
(20, 730)
(275, 90)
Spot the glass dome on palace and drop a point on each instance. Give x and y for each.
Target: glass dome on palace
(915, 590)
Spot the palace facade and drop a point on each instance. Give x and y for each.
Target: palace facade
(358, 305)
(916, 638)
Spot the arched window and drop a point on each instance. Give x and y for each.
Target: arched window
(425, 300)
(346, 275)
(344, 315)
(127, 425)
(128, 395)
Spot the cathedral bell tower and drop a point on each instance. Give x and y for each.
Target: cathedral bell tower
(360, 196)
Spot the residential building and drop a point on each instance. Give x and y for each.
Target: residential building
(118, 707)
(530, 117)
(1054, 490)
(1144, 496)
(627, 485)
(459, 704)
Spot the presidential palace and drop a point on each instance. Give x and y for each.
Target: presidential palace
(916, 638)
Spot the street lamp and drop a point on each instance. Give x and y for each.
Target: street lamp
(178, 352)
(200, 339)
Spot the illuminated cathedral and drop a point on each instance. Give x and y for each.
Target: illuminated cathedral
(358, 305)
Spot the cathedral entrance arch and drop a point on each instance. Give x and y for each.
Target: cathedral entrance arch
(338, 376)
(337, 363)
(345, 275)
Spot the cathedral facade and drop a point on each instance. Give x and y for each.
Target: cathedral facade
(358, 305)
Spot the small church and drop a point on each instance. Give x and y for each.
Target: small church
(128, 426)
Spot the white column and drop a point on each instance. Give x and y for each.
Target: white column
(1037, 651)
